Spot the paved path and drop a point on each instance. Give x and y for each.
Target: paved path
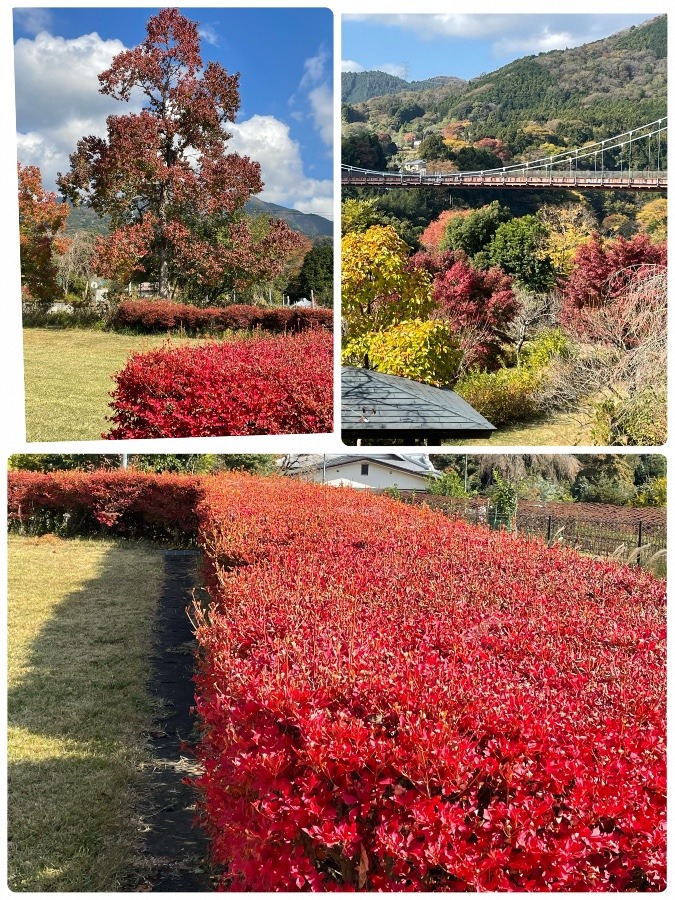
(175, 847)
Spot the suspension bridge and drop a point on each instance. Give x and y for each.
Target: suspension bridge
(631, 161)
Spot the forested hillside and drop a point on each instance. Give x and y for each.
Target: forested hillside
(360, 86)
(543, 309)
(553, 100)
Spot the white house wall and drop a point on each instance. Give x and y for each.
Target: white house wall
(378, 476)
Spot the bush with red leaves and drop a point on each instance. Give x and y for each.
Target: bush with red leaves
(602, 271)
(478, 304)
(163, 315)
(269, 385)
(124, 502)
(394, 701)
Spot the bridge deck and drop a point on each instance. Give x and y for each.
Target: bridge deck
(588, 181)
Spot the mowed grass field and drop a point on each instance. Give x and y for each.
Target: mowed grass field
(81, 619)
(68, 377)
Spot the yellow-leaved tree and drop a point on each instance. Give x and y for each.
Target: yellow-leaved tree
(387, 310)
(567, 226)
(424, 351)
(378, 289)
(653, 219)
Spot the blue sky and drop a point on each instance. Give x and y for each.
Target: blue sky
(284, 56)
(418, 46)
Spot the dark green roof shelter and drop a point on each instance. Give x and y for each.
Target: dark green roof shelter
(381, 406)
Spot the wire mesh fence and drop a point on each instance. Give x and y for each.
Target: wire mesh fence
(595, 528)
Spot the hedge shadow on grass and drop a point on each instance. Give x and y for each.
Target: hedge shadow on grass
(76, 719)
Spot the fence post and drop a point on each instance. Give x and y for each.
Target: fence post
(549, 529)
(639, 556)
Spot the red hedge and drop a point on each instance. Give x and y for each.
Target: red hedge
(275, 385)
(115, 499)
(392, 701)
(163, 315)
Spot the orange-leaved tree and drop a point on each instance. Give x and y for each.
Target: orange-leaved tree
(42, 220)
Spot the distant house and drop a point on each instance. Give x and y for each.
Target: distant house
(405, 471)
(99, 289)
(147, 289)
(419, 166)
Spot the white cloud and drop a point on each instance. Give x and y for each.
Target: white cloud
(539, 42)
(209, 34)
(267, 140)
(400, 71)
(431, 26)
(350, 65)
(32, 20)
(512, 33)
(315, 91)
(315, 69)
(58, 99)
(321, 102)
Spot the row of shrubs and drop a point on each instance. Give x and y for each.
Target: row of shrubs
(128, 503)
(394, 701)
(163, 315)
(281, 384)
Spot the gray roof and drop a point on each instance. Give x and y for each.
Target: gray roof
(415, 464)
(372, 402)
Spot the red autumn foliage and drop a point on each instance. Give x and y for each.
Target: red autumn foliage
(267, 385)
(394, 701)
(42, 220)
(163, 315)
(479, 302)
(121, 500)
(499, 148)
(435, 230)
(603, 270)
(166, 168)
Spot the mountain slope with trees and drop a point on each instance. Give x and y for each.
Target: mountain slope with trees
(83, 218)
(560, 98)
(358, 87)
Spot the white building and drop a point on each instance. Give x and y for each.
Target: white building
(405, 471)
(418, 166)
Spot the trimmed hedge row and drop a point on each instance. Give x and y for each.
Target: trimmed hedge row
(124, 502)
(163, 315)
(392, 701)
(270, 385)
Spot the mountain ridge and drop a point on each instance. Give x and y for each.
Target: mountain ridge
(315, 227)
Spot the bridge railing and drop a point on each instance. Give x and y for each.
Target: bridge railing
(495, 177)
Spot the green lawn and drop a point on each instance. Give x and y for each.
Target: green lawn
(81, 618)
(68, 376)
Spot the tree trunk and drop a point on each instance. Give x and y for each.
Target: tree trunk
(163, 247)
(163, 271)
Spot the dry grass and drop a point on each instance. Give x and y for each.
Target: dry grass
(81, 617)
(563, 429)
(68, 376)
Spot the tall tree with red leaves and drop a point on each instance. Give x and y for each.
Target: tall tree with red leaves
(161, 172)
